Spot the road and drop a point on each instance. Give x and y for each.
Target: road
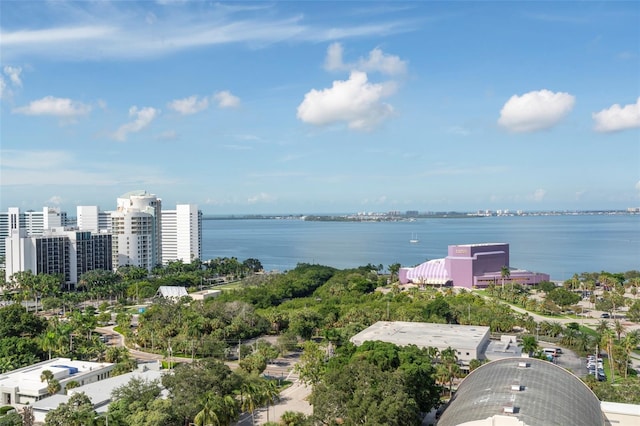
(294, 398)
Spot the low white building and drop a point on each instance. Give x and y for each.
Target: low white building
(205, 294)
(469, 341)
(98, 393)
(24, 385)
(172, 292)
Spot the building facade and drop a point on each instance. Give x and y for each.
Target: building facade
(32, 222)
(60, 251)
(91, 218)
(138, 233)
(471, 265)
(137, 230)
(24, 386)
(181, 234)
(469, 341)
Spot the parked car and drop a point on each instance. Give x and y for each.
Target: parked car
(605, 315)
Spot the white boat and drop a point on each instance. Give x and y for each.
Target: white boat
(414, 238)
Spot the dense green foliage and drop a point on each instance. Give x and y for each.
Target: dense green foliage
(377, 383)
(19, 342)
(78, 411)
(313, 306)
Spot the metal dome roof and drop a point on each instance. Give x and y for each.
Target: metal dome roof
(534, 391)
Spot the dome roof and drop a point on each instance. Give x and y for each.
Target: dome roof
(533, 391)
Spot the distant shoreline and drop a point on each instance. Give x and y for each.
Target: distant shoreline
(397, 217)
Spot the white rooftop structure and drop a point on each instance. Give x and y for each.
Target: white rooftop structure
(98, 393)
(469, 341)
(172, 292)
(23, 386)
(205, 294)
(621, 414)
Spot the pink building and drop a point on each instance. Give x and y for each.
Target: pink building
(470, 265)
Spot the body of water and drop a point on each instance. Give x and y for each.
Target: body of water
(557, 245)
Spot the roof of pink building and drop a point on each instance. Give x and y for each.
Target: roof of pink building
(430, 272)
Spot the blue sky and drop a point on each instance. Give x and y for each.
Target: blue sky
(314, 107)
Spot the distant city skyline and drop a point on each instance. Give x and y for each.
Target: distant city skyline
(321, 107)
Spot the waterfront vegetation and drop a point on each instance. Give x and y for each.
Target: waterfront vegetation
(311, 310)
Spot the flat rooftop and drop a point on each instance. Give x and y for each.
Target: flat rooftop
(423, 334)
(28, 378)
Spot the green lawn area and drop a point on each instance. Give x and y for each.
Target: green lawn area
(231, 286)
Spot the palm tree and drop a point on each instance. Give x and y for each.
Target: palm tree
(271, 394)
(441, 375)
(208, 415)
(529, 344)
(602, 326)
(449, 359)
(619, 328)
(629, 343)
(53, 385)
(46, 376)
(504, 273)
(393, 271)
(251, 398)
(606, 341)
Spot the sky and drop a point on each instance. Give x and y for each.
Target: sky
(321, 107)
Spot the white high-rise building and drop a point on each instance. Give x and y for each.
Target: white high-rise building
(90, 218)
(181, 234)
(32, 222)
(58, 251)
(137, 231)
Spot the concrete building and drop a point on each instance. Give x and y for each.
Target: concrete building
(137, 233)
(98, 392)
(64, 251)
(24, 386)
(522, 392)
(137, 230)
(181, 234)
(91, 218)
(470, 265)
(32, 222)
(469, 341)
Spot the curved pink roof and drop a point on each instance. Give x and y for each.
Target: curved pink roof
(430, 272)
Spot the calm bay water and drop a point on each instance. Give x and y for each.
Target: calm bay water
(557, 245)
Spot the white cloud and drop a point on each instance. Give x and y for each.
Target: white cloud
(143, 117)
(190, 105)
(169, 135)
(333, 61)
(458, 130)
(378, 61)
(261, 198)
(58, 168)
(538, 194)
(48, 36)
(355, 101)
(14, 75)
(536, 110)
(100, 30)
(226, 100)
(617, 118)
(59, 107)
(3, 88)
(55, 199)
(638, 186)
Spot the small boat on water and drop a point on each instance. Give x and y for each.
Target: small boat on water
(414, 238)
